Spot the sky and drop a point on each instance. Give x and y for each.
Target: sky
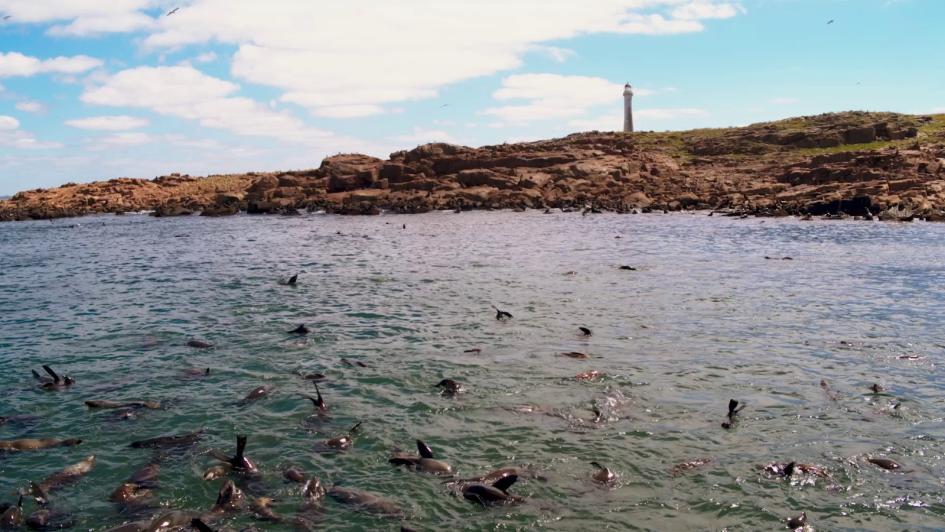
(95, 89)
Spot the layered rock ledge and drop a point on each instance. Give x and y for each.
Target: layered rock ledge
(862, 164)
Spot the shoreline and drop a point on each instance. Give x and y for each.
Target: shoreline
(884, 165)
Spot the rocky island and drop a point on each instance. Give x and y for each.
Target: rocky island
(885, 165)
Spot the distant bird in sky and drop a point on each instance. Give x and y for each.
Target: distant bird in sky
(829, 22)
(444, 105)
(7, 17)
(171, 12)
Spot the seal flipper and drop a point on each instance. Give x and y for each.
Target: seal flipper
(425, 451)
(240, 448)
(321, 402)
(36, 375)
(354, 428)
(51, 373)
(732, 405)
(504, 483)
(789, 469)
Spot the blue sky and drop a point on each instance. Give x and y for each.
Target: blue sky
(95, 90)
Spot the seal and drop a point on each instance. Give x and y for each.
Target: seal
(164, 442)
(291, 281)
(239, 462)
(56, 382)
(365, 501)
(339, 443)
(585, 331)
(261, 509)
(152, 405)
(229, 499)
(733, 411)
(425, 462)
(691, 465)
(449, 387)
(494, 494)
(199, 344)
(294, 474)
(193, 373)
(603, 474)
(317, 401)
(61, 478)
(12, 517)
(884, 463)
(46, 519)
(797, 522)
(501, 315)
(301, 329)
(576, 354)
(255, 394)
(138, 488)
(33, 445)
(628, 268)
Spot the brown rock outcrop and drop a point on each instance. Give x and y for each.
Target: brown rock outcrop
(864, 164)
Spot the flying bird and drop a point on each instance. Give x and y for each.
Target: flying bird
(171, 12)
(7, 17)
(829, 22)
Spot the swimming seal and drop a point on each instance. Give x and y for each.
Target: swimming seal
(199, 344)
(340, 443)
(603, 474)
(152, 405)
(501, 315)
(425, 462)
(733, 410)
(365, 501)
(61, 478)
(12, 517)
(628, 268)
(291, 281)
(585, 331)
(261, 508)
(239, 462)
(229, 499)
(294, 474)
(497, 493)
(36, 444)
(56, 382)
(449, 387)
(138, 488)
(576, 354)
(162, 442)
(318, 401)
(884, 463)
(301, 329)
(255, 394)
(797, 522)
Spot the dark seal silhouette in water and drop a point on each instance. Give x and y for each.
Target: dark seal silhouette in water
(61, 478)
(425, 462)
(36, 444)
(240, 462)
(501, 315)
(733, 410)
(255, 394)
(317, 401)
(291, 281)
(585, 331)
(365, 501)
(164, 442)
(494, 494)
(797, 522)
(12, 517)
(199, 344)
(54, 381)
(301, 330)
(339, 443)
(449, 387)
(628, 268)
(884, 463)
(603, 474)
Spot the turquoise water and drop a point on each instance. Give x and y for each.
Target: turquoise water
(704, 318)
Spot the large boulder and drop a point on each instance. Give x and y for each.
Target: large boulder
(350, 171)
(481, 177)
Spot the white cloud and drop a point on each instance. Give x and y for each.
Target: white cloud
(127, 139)
(559, 55)
(185, 92)
(552, 96)
(705, 10)
(108, 123)
(84, 17)
(783, 101)
(347, 111)
(375, 52)
(17, 64)
(12, 135)
(8, 123)
(424, 136)
(28, 106)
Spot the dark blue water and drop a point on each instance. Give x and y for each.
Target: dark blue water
(704, 318)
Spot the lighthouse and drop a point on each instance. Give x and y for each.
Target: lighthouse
(627, 108)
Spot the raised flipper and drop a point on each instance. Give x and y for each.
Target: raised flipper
(51, 373)
(425, 451)
(197, 524)
(36, 375)
(354, 428)
(240, 448)
(505, 483)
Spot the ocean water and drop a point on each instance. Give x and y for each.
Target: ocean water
(704, 318)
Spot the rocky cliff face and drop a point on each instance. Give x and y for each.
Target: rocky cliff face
(855, 163)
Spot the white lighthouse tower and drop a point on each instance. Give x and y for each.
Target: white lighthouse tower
(627, 108)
